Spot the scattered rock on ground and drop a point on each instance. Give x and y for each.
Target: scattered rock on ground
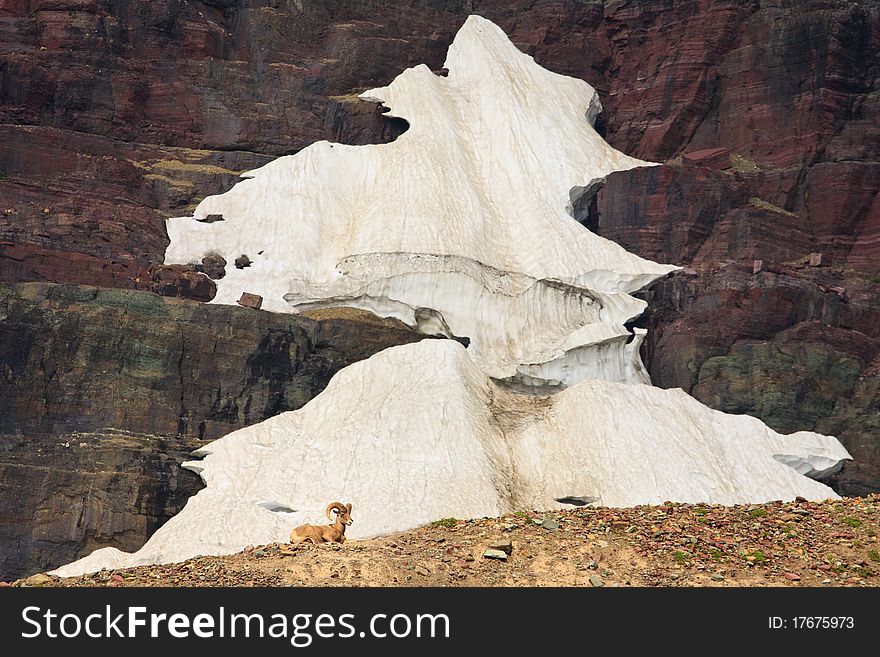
(495, 554)
(836, 544)
(40, 579)
(504, 546)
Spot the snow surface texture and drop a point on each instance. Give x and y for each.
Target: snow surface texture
(418, 433)
(462, 226)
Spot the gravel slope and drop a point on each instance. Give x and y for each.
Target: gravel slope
(834, 543)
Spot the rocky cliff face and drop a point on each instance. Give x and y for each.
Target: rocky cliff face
(780, 345)
(64, 495)
(107, 391)
(117, 114)
(768, 318)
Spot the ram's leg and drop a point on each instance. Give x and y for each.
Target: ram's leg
(296, 538)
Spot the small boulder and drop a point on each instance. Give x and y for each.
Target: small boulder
(249, 300)
(838, 290)
(491, 553)
(40, 579)
(242, 261)
(214, 266)
(181, 281)
(712, 158)
(503, 545)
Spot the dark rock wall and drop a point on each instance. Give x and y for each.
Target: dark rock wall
(84, 359)
(63, 496)
(106, 391)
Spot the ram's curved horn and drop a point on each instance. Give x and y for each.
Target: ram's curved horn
(339, 506)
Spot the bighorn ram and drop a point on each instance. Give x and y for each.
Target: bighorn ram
(334, 533)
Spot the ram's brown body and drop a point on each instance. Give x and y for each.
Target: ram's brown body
(333, 533)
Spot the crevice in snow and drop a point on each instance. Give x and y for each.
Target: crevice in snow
(581, 200)
(814, 466)
(275, 507)
(577, 500)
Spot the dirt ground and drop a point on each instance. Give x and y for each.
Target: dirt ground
(833, 543)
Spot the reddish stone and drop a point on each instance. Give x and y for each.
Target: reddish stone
(692, 216)
(214, 266)
(23, 261)
(181, 281)
(842, 208)
(250, 300)
(838, 290)
(711, 158)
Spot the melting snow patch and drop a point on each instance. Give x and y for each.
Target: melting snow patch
(460, 228)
